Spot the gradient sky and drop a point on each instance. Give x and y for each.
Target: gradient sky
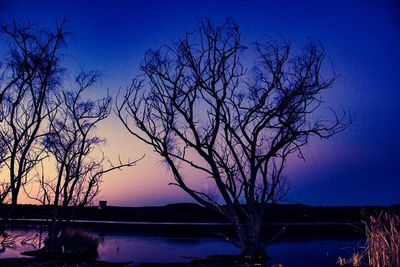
(362, 41)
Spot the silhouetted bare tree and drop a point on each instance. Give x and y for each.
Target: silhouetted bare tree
(71, 140)
(202, 109)
(30, 73)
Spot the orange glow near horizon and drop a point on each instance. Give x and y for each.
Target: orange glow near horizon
(147, 183)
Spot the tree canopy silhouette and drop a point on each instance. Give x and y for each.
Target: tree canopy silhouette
(40, 118)
(72, 142)
(29, 76)
(199, 107)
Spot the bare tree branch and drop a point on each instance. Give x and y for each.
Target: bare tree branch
(198, 107)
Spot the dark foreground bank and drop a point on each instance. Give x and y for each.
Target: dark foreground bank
(213, 261)
(34, 262)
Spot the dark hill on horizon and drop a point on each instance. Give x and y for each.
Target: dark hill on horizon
(190, 212)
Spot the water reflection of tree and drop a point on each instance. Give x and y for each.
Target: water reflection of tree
(28, 238)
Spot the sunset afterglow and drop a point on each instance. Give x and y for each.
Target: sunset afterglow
(358, 166)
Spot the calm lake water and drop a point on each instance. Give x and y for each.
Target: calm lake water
(129, 246)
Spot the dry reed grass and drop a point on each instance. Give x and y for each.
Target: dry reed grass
(383, 240)
(382, 243)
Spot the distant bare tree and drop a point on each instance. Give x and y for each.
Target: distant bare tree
(4, 185)
(71, 140)
(203, 110)
(29, 74)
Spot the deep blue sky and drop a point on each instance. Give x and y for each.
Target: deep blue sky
(362, 41)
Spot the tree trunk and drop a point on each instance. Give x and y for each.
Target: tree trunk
(52, 241)
(250, 238)
(8, 214)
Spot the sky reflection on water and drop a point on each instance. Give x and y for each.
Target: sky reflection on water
(128, 246)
